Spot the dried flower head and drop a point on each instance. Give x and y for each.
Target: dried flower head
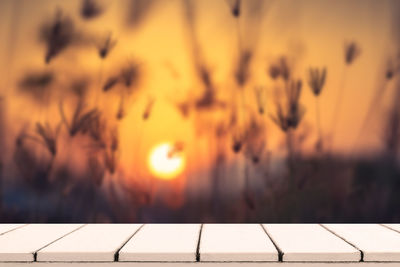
(138, 10)
(389, 73)
(280, 69)
(48, 136)
(90, 9)
(259, 92)
(237, 145)
(110, 83)
(110, 154)
(242, 72)
(255, 141)
(106, 45)
(316, 80)
(130, 74)
(114, 141)
(208, 99)
(57, 34)
(184, 108)
(236, 8)
(96, 131)
(351, 52)
(204, 75)
(110, 161)
(81, 120)
(80, 87)
(37, 84)
(295, 110)
(280, 118)
(274, 72)
(392, 68)
(148, 108)
(290, 115)
(239, 138)
(121, 109)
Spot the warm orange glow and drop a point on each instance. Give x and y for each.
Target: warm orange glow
(163, 165)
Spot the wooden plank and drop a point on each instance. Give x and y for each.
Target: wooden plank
(393, 226)
(163, 242)
(22, 243)
(4, 227)
(377, 243)
(310, 242)
(93, 242)
(236, 242)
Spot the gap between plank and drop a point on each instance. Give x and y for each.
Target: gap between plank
(35, 253)
(198, 244)
(354, 246)
(116, 255)
(18, 227)
(390, 228)
(280, 252)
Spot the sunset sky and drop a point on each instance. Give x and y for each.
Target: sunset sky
(311, 32)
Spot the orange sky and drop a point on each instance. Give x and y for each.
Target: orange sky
(313, 30)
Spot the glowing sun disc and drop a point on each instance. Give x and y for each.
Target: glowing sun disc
(164, 166)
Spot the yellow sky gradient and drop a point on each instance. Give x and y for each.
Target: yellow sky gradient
(312, 31)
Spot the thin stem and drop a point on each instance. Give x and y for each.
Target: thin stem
(16, 11)
(98, 92)
(246, 186)
(240, 48)
(318, 121)
(338, 105)
(214, 157)
(375, 103)
(290, 149)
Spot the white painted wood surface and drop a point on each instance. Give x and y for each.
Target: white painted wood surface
(22, 243)
(310, 242)
(234, 245)
(4, 228)
(93, 242)
(236, 242)
(163, 242)
(395, 227)
(377, 242)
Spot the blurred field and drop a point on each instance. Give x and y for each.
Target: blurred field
(272, 111)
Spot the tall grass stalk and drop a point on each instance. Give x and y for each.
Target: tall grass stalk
(374, 104)
(337, 110)
(318, 122)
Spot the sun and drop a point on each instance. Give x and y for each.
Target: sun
(164, 163)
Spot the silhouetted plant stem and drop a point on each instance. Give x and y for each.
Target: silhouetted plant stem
(392, 127)
(290, 150)
(100, 89)
(338, 105)
(247, 191)
(239, 37)
(2, 146)
(374, 104)
(11, 44)
(318, 121)
(215, 162)
(141, 128)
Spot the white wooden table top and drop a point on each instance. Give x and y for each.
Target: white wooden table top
(273, 245)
